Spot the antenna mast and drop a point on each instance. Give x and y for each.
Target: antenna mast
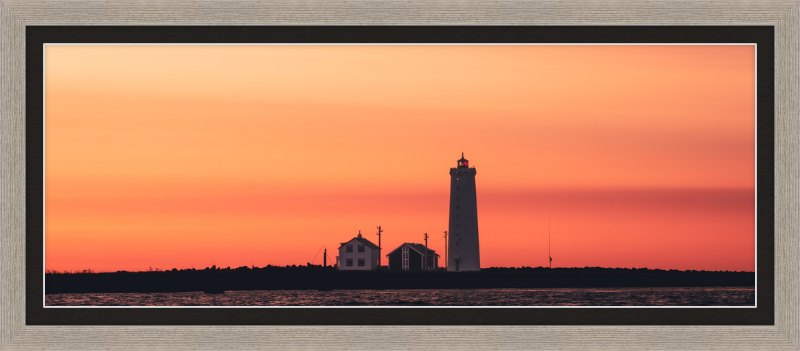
(445, 249)
(379, 246)
(426, 252)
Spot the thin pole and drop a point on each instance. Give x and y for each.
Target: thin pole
(445, 249)
(425, 260)
(379, 246)
(548, 241)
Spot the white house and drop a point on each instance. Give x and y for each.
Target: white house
(358, 254)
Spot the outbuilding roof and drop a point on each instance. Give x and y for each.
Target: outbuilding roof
(416, 247)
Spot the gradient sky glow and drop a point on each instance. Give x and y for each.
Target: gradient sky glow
(197, 155)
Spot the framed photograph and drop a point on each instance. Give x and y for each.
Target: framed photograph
(167, 156)
(198, 175)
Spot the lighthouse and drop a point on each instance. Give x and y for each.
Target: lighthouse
(464, 251)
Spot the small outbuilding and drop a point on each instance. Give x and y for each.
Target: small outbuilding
(411, 257)
(358, 254)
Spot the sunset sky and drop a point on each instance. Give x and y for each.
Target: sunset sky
(179, 156)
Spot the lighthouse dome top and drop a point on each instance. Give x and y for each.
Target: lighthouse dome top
(463, 162)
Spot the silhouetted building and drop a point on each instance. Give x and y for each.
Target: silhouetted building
(464, 253)
(358, 254)
(410, 257)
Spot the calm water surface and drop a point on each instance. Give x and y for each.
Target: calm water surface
(716, 296)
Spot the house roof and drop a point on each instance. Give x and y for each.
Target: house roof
(361, 240)
(416, 247)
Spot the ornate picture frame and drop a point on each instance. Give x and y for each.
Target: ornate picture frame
(16, 334)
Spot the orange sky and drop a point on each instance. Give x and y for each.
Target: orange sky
(178, 156)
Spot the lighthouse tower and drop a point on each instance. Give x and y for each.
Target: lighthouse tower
(464, 252)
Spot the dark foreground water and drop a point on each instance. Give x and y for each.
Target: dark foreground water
(703, 296)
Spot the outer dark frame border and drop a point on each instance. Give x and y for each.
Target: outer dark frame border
(763, 36)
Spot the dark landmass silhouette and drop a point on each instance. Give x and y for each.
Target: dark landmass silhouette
(311, 277)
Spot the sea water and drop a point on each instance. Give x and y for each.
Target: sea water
(669, 296)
